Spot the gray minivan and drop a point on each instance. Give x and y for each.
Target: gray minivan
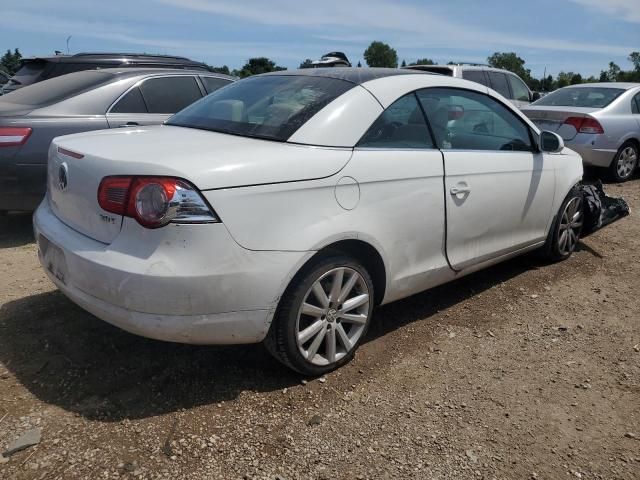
(506, 83)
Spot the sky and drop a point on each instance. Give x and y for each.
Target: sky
(551, 35)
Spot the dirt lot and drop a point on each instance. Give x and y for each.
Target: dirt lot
(522, 371)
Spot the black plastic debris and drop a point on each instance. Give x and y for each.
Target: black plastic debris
(601, 210)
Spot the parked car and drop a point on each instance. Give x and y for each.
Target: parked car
(4, 78)
(285, 206)
(91, 100)
(37, 69)
(332, 59)
(506, 83)
(600, 121)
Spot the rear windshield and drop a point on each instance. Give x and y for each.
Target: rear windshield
(593, 97)
(271, 107)
(57, 89)
(427, 68)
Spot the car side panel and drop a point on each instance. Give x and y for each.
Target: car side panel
(392, 200)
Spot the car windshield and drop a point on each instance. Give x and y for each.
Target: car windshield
(57, 89)
(593, 97)
(271, 107)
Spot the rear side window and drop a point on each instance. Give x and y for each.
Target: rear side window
(475, 76)
(271, 106)
(519, 89)
(58, 89)
(169, 94)
(402, 125)
(29, 73)
(635, 104)
(211, 84)
(132, 102)
(499, 83)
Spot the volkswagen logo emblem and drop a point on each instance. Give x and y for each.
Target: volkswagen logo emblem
(62, 177)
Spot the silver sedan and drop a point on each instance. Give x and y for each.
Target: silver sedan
(600, 121)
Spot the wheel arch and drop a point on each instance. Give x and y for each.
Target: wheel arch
(362, 251)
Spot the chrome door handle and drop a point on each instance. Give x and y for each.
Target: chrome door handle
(459, 190)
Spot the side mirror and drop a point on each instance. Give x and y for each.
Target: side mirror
(551, 142)
(535, 96)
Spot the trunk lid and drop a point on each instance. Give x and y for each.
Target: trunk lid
(208, 160)
(553, 118)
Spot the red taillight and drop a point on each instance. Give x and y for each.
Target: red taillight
(150, 199)
(14, 136)
(154, 201)
(585, 125)
(113, 194)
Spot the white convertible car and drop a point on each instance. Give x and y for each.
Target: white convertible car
(284, 207)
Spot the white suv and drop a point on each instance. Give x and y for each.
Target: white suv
(506, 83)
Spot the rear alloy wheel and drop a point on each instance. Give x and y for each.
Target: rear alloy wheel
(565, 234)
(625, 162)
(323, 316)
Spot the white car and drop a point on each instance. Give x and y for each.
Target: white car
(286, 206)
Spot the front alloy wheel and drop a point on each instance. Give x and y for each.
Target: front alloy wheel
(570, 226)
(323, 316)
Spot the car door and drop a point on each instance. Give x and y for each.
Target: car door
(152, 100)
(399, 171)
(498, 188)
(635, 108)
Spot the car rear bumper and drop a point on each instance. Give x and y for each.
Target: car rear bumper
(586, 146)
(182, 283)
(22, 187)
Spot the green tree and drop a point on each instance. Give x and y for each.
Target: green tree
(10, 62)
(423, 61)
(379, 54)
(224, 69)
(634, 57)
(404, 63)
(258, 65)
(510, 61)
(359, 64)
(308, 63)
(614, 72)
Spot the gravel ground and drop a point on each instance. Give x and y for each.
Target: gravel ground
(522, 371)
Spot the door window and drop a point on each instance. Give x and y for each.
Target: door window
(170, 94)
(211, 84)
(466, 120)
(402, 125)
(132, 102)
(635, 104)
(499, 83)
(475, 76)
(519, 89)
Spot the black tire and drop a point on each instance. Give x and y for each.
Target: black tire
(625, 162)
(281, 340)
(554, 249)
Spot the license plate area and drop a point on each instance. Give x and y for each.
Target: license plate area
(53, 259)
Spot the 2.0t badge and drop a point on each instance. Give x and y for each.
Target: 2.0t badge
(62, 177)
